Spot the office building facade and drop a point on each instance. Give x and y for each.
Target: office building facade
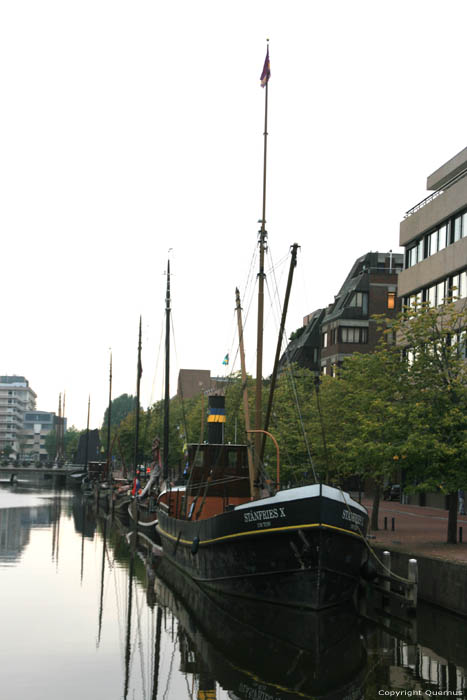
(434, 236)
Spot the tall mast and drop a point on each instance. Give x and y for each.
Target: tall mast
(58, 432)
(246, 409)
(62, 450)
(109, 413)
(293, 263)
(261, 275)
(167, 376)
(139, 372)
(87, 434)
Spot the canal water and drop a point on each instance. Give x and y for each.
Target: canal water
(88, 612)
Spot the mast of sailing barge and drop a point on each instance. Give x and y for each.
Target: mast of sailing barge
(139, 372)
(109, 414)
(262, 239)
(165, 446)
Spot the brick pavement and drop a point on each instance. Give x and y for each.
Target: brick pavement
(418, 531)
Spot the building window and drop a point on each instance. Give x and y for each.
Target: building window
(420, 255)
(462, 289)
(432, 243)
(354, 334)
(411, 257)
(414, 300)
(457, 232)
(440, 293)
(461, 339)
(325, 339)
(359, 300)
(442, 237)
(391, 300)
(431, 295)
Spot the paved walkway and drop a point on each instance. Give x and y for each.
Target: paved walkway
(418, 530)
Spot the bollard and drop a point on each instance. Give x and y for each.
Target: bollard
(393, 524)
(412, 591)
(385, 523)
(387, 570)
(460, 534)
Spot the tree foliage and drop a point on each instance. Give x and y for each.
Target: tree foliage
(436, 399)
(71, 439)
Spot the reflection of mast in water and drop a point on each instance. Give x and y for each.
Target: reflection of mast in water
(57, 509)
(82, 541)
(128, 627)
(157, 654)
(101, 600)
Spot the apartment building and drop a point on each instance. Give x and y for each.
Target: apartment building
(37, 425)
(305, 344)
(16, 398)
(434, 236)
(347, 326)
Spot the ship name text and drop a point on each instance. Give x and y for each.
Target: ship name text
(265, 514)
(355, 519)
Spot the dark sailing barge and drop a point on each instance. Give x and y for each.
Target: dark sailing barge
(301, 547)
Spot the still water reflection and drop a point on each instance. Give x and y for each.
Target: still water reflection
(89, 612)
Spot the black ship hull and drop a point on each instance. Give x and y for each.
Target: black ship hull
(303, 547)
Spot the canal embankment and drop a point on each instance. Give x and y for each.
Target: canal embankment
(409, 531)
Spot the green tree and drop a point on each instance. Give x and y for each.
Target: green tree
(436, 397)
(369, 417)
(71, 440)
(6, 452)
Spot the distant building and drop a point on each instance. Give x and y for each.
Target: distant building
(305, 346)
(37, 425)
(16, 399)
(434, 235)
(192, 382)
(345, 326)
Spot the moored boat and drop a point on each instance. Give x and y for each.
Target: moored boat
(302, 547)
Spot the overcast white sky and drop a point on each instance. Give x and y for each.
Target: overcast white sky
(128, 128)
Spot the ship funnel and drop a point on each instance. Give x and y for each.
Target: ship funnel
(216, 419)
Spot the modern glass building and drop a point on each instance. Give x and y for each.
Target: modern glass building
(434, 235)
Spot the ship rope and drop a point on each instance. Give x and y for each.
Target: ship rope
(301, 422)
(370, 548)
(185, 429)
(290, 373)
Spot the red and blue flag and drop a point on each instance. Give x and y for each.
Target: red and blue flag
(266, 74)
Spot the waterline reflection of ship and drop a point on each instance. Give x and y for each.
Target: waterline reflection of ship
(261, 650)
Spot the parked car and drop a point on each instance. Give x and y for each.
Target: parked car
(392, 492)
